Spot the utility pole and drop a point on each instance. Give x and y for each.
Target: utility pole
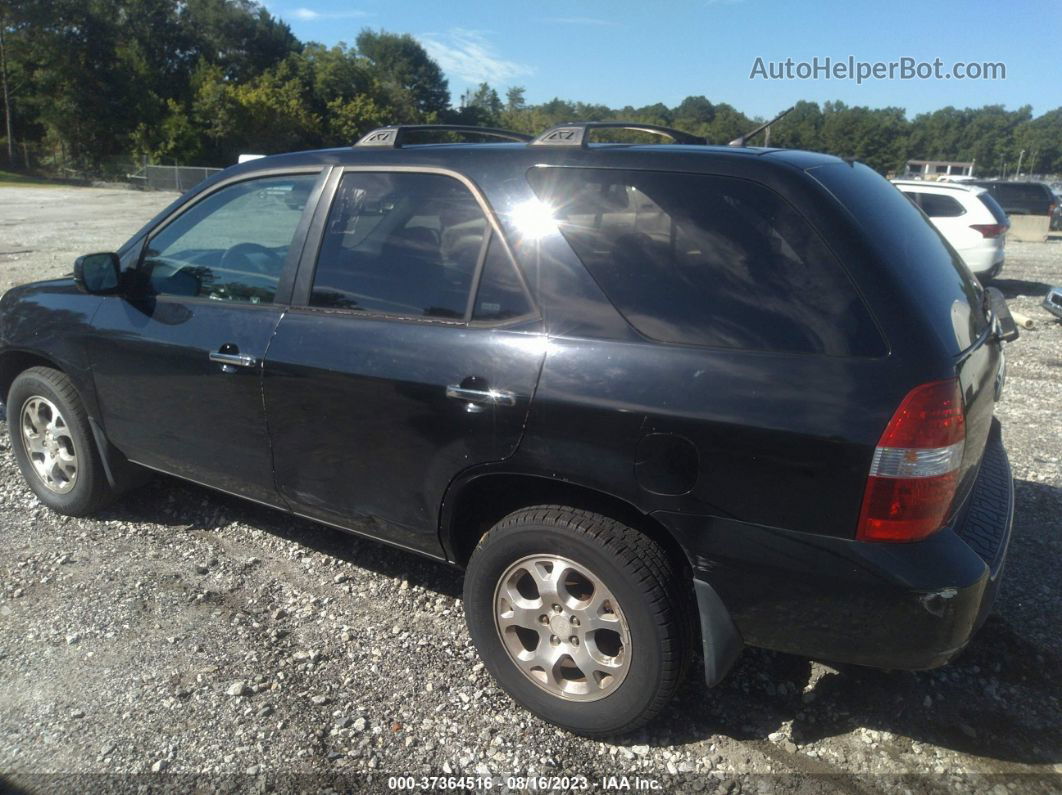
(1021, 154)
(7, 97)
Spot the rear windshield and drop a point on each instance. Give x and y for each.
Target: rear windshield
(993, 207)
(939, 281)
(705, 260)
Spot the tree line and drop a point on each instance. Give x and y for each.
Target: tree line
(93, 86)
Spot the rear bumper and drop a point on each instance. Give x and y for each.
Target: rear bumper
(994, 271)
(985, 260)
(906, 606)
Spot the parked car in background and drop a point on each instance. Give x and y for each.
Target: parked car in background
(1021, 198)
(652, 399)
(968, 217)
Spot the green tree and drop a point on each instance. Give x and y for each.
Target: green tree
(404, 64)
(514, 98)
(482, 105)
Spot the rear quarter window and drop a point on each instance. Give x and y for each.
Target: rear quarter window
(934, 276)
(705, 260)
(993, 207)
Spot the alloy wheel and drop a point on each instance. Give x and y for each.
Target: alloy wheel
(49, 444)
(562, 627)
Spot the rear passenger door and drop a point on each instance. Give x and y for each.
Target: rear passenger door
(410, 353)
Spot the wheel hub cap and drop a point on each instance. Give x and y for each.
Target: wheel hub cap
(562, 627)
(49, 445)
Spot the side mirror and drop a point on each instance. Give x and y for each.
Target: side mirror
(98, 274)
(1007, 329)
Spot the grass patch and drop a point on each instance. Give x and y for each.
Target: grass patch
(10, 179)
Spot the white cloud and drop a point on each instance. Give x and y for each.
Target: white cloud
(468, 55)
(589, 21)
(309, 15)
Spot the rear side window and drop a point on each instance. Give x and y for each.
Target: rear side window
(936, 206)
(706, 260)
(400, 243)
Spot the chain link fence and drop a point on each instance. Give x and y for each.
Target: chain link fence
(171, 178)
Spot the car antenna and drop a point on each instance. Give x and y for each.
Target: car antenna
(742, 139)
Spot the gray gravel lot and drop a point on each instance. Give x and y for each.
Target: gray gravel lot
(187, 632)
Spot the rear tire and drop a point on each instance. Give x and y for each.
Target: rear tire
(53, 443)
(580, 618)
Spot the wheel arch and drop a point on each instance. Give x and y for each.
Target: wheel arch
(15, 362)
(473, 505)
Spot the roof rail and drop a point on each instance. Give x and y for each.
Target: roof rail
(576, 133)
(394, 137)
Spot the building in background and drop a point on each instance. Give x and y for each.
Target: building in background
(935, 169)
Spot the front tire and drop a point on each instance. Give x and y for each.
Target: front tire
(53, 444)
(578, 617)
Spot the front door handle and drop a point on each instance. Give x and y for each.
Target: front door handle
(230, 361)
(478, 398)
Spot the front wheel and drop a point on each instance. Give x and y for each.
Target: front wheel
(53, 444)
(580, 618)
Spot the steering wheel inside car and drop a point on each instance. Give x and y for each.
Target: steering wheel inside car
(252, 257)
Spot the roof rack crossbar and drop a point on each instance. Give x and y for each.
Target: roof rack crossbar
(577, 133)
(394, 137)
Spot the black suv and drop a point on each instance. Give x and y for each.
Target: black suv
(652, 398)
(1020, 198)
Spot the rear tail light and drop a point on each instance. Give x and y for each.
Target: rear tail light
(915, 470)
(989, 230)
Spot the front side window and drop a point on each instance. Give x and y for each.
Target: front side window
(400, 243)
(705, 260)
(231, 246)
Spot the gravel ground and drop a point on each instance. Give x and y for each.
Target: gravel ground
(185, 632)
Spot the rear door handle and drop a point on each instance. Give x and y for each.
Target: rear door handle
(230, 361)
(481, 397)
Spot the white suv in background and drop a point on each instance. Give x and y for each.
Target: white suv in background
(968, 217)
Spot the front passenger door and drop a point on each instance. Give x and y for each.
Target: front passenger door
(177, 362)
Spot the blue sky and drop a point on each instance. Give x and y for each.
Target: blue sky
(618, 52)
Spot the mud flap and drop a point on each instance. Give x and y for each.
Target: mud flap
(721, 640)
